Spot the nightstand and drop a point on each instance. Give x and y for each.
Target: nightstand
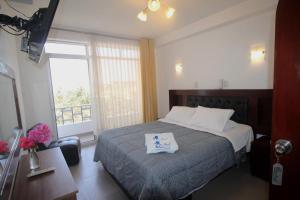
(260, 158)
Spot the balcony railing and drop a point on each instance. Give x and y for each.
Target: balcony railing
(73, 114)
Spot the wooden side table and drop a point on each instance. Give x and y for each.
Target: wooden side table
(58, 184)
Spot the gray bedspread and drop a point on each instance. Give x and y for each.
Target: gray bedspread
(200, 158)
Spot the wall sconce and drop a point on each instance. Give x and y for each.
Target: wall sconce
(178, 68)
(258, 55)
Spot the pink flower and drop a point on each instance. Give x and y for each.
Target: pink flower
(3, 147)
(40, 134)
(26, 143)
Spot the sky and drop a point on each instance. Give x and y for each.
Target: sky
(69, 74)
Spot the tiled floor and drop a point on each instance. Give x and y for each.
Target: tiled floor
(236, 184)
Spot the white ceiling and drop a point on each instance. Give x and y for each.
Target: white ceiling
(118, 17)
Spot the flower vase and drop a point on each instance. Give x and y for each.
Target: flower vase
(34, 162)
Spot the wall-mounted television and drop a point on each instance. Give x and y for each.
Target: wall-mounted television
(35, 29)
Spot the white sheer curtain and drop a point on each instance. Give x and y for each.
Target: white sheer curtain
(117, 82)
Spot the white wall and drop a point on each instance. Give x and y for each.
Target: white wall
(8, 55)
(221, 52)
(36, 91)
(75, 129)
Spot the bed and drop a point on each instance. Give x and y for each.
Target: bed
(201, 157)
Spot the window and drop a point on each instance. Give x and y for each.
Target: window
(117, 85)
(68, 49)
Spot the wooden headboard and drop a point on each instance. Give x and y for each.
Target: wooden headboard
(252, 107)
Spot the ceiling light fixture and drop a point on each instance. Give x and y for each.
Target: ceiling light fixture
(155, 5)
(170, 12)
(143, 16)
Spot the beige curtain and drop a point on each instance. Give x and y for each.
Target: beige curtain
(117, 82)
(148, 80)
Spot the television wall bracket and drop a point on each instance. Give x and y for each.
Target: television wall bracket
(23, 24)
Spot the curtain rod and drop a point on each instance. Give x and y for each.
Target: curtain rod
(93, 33)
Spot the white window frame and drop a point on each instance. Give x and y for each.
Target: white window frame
(69, 56)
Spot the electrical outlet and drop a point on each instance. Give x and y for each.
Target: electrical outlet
(225, 84)
(196, 85)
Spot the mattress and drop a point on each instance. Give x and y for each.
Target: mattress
(240, 136)
(200, 158)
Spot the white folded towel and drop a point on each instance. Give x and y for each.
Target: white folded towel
(160, 142)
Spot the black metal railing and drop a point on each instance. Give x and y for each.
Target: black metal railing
(73, 114)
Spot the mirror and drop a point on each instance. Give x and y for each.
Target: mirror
(10, 120)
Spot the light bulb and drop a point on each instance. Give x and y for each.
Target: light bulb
(154, 5)
(170, 12)
(142, 16)
(178, 68)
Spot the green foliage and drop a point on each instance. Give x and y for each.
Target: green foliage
(77, 97)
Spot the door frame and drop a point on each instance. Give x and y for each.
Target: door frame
(51, 95)
(67, 56)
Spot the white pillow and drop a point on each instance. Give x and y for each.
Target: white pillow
(181, 114)
(230, 124)
(211, 118)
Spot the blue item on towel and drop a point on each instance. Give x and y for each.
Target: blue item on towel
(160, 142)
